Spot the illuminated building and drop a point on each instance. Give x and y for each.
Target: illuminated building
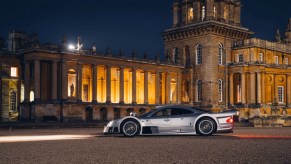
(211, 62)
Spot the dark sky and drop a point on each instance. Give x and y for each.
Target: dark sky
(127, 24)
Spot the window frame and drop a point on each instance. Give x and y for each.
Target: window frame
(276, 59)
(198, 54)
(281, 94)
(199, 91)
(14, 71)
(220, 90)
(220, 54)
(261, 57)
(240, 58)
(13, 101)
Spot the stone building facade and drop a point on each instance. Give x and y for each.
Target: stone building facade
(211, 62)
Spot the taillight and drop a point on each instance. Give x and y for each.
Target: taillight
(229, 120)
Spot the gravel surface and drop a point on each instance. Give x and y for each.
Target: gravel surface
(89, 145)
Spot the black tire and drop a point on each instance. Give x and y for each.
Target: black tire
(206, 127)
(130, 128)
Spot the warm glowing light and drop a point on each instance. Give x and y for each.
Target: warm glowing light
(7, 139)
(71, 47)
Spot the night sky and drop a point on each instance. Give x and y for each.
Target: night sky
(127, 24)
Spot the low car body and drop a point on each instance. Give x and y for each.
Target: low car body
(173, 120)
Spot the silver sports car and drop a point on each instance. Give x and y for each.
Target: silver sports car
(173, 120)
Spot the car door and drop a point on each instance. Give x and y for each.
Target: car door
(182, 120)
(160, 122)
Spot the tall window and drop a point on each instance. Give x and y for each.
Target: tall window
(198, 54)
(214, 9)
(276, 60)
(13, 72)
(190, 15)
(203, 13)
(240, 58)
(239, 93)
(220, 90)
(280, 94)
(13, 96)
(287, 61)
(220, 53)
(261, 57)
(199, 91)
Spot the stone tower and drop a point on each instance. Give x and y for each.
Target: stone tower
(288, 33)
(201, 38)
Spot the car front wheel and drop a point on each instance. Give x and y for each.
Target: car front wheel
(130, 128)
(205, 127)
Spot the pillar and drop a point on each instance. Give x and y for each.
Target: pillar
(231, 86)
(121, 86)
(133, 86)
(176, 14)
(36, 80)
(146, 89)
(108, 84)
(54, 80)
(288, 90)
(197, 11)
(231, 14)
(237, 15)
(252, 88)
(157, 87)
(209, 10)
(259, 88)
(243, 88)
(263, 99)
(94, 78)
(80, 78)
(168, 88)
(27, 82)
(179, 88)
(64, 88)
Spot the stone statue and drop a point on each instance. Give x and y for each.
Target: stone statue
(72, 88)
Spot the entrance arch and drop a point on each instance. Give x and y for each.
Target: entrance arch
(89, 114)
(103, 114)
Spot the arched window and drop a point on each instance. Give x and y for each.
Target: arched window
(220, 85)
(198, 54)
(31, 96)
(13, 98)
(220, 53)
(199, 91)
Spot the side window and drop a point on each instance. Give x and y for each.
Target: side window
(164, 112)
(185, 112)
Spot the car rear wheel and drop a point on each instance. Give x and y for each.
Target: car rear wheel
(130, 128)
(205, 127)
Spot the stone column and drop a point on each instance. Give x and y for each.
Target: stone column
(133, 86)
(54, 80)
(252, 88)
(179, 88)
(263, 100)
(36, 80)
(121, 85)
(108, 84)
(168, 88)
(231, 95)
(80, 78)
(176, 14)
(197, 11)
(288, 90)
(209, 10)
(27, 82)
(259, 88)
(243, 88)
(231, 14)
(146, 89)
(64, 80)
(157, 87)
(94, 78)
(237, 15)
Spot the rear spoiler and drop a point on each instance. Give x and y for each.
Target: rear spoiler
(231, 111)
